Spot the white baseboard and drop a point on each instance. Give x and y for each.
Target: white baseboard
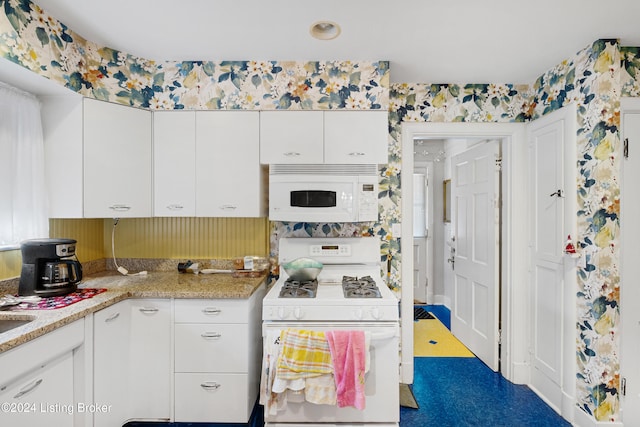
(582, 419)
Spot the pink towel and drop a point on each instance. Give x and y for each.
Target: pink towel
(348, 355)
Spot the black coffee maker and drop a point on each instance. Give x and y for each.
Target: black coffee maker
(47, 269)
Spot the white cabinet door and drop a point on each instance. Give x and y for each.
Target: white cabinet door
(117, 161)
(174, 163)
(41, 373)
(356, 137)
(150, 369)
(111, 363)
(41, 398)
(229, 177)
(62, 133)
(291, 137)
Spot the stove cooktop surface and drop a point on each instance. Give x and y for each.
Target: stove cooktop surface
(332, 301)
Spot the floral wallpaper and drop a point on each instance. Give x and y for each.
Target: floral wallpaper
(594, 79)
(630, 73)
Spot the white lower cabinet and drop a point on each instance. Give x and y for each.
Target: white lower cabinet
(44, 397)
(132, 361)
(111, 334)
(217, 359)
(37, 386)
(212, 397)
(150, 359)
(209, 370)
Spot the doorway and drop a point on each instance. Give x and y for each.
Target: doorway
(514, 365)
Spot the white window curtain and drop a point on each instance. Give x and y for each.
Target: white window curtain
(23, 196)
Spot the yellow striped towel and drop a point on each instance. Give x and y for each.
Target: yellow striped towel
(303, 354)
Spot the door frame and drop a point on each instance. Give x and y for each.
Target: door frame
(514, 356)
(430, 208)
(629, 297)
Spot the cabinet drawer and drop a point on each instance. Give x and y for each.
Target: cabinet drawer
(211, 348)
(212, 398)
(211, 311)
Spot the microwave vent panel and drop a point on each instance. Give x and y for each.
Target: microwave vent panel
(324, 169)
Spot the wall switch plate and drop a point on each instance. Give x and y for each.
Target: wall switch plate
(396, 230)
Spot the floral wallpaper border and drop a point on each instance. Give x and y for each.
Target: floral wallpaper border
(594, 79)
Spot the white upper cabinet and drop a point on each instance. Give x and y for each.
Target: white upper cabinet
(62, 132)
(174, 163)
(356, 137)
(117, 160)
(229, 178)
(334, 137)
(291, 137)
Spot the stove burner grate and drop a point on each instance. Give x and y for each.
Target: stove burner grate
(299, 289)
(364, 287)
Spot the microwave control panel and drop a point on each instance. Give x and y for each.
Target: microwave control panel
(368, 201)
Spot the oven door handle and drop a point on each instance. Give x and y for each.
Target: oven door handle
(383, 336)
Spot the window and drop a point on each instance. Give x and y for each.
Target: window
(23, 205)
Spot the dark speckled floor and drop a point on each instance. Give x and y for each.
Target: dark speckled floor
(463, 391)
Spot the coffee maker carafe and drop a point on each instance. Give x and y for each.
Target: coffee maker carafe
(47, 269)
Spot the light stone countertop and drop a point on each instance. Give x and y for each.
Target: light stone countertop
(156, 284)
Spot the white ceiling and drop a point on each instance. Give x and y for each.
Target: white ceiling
(426, 41)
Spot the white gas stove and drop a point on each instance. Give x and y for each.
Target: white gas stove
(349, 287)
(349, 295)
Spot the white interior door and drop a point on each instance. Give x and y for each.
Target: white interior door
(547, 238)
(552, 274)
(475, 300)
(630, 253)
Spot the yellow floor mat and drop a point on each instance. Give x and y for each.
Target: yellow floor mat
(432, 339)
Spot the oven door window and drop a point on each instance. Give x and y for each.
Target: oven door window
(313, 199)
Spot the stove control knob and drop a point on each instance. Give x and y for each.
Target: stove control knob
(376, 314)
(298, 313)
(282, 314)
(358, 313)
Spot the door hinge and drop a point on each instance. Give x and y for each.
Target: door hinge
(499, 164)
(499, 336)
(625, 148)
(623, 386)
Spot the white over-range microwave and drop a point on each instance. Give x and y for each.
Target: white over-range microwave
(323, 193)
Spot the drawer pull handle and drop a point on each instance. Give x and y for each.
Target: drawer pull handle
(357, 154)
(210, 386)
(28, 388)
(228, 207)
(211, 335)
(212, 311)
(148, 310)
(120, 208)
(175, 207)
(113, 317)
(292, 154)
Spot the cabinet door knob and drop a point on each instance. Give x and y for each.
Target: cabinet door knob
(28, 388)
(210, 385)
